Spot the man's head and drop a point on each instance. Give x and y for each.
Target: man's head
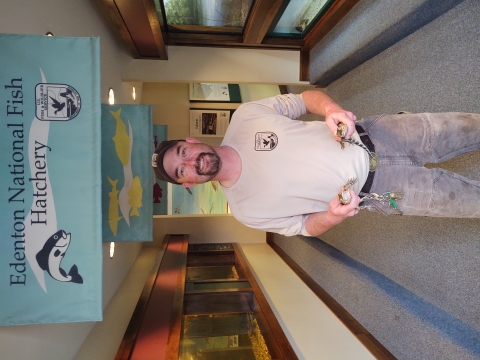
(186, 162)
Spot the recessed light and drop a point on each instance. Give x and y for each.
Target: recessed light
(111, 96)
(112, 249)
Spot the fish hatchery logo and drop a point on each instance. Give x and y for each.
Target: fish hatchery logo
(265, 141)
(56, 102)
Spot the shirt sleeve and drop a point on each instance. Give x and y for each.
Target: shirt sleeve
(289, 105)
(288, 226)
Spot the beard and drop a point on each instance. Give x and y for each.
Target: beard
(211, 164)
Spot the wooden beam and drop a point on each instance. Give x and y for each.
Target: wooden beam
(304, 66)
(116, 17)
(138, 24)
(234, 41)
(260, 20)
(204, 29)
(152, 15)
(173, 346)
(333, 15)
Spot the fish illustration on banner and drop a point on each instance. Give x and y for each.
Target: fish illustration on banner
(51, 253)
(126, 173)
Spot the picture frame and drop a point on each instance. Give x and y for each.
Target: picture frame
(214, 92)
(209, 122)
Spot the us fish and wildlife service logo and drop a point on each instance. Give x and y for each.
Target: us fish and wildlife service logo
(56, 102)
(265, 141)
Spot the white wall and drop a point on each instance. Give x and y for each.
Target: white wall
(206, 229)
(223, 65)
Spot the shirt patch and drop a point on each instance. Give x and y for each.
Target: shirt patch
(265, 141)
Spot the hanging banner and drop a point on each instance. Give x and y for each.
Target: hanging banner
(127, 174)
(160, 187)
(50, 247)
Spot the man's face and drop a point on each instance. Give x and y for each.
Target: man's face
(191, 162)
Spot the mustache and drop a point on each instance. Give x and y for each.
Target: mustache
(214, 161)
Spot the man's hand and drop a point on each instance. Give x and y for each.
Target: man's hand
(319, 103)
(339, 212)
(318, 223)
(335, 115)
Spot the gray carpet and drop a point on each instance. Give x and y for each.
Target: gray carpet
(413, 282)
(371, 27)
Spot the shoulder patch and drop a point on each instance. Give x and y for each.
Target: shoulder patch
(265, 141)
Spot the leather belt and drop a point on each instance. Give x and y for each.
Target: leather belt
(369, 144)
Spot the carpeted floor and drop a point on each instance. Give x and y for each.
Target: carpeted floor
(413, 282)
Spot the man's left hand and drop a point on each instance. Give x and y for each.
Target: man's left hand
(335, 116)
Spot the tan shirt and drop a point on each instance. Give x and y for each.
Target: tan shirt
(290, 168)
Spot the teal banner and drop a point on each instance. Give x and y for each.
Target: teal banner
(127, 174)
(160, 188)
(50, 186)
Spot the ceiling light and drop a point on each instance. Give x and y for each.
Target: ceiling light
(112, 249)
(111, 96)
(49, 33)
(134, 95)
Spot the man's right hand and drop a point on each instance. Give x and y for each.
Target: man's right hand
(339, 212)
(318, 223)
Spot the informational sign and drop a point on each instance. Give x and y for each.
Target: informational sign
(50, 186)
(209, 123)
(215, 92)
(127, 174)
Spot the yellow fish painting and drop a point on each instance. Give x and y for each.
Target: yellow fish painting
(113, 217)
(214, 184)
(135, 194)
(121, 138)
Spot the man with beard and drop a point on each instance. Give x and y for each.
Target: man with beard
(291, 177)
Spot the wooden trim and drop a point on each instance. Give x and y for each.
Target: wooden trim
(141, 30)
(204, 29)
(130, 336)
(333, 15)
(138, 24)
(270, 237)
(260, 20)
(173, 346)
(370, 343)
(230, 40)
(152, 15)
(116, 17)
(277, 336)
(304, 65)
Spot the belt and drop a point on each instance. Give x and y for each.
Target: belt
(369, 144)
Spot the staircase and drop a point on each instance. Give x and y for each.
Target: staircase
(412, 282)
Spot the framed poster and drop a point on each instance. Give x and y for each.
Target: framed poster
(214, 92)
(209, 122)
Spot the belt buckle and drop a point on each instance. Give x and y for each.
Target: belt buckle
(372, 162)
